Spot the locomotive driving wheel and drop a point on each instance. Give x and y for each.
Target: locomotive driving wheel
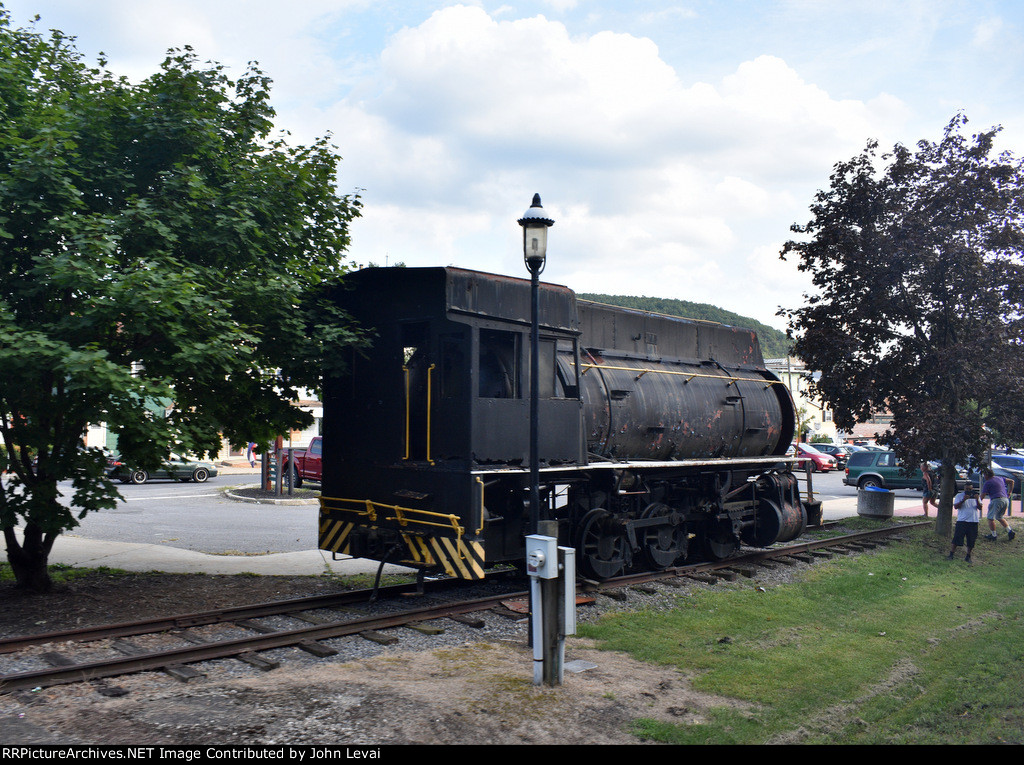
(602, 545)
(665, 544)
(720, 542)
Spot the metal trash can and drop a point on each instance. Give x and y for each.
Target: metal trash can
(875, 502)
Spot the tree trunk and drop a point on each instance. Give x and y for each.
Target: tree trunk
(944, 514)
(29, 560)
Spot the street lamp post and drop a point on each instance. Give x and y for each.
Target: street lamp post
(535, 225)
(542, 565)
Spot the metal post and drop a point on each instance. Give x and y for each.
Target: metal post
(545, 563)
(534, 400)
(265, 470)
(536, 631)
(278, 455)
(566, 602)
(535, 225)
(291, 470)
(550, 607)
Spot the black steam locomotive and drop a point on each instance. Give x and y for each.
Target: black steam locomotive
(661, 439)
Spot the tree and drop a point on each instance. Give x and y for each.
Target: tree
(919, 302)
(157, 244)
(774, 344)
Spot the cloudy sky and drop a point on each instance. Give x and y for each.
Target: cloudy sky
(674, 143)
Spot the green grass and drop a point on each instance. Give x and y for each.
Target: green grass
(896, 646)
(60, 572)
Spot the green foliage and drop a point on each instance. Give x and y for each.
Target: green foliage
(919, 288)
(774, 344)
(898, 646)
(157, 242)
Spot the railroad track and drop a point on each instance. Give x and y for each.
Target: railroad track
(803, 551)
(319, 619)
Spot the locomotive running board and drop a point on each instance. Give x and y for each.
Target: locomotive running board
(722, 462)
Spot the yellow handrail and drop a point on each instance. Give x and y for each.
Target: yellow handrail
(480, 483)
(404, 516)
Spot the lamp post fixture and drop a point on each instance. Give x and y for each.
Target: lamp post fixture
(535, 225)
(542, 565)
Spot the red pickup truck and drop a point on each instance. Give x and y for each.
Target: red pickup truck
(308, 463)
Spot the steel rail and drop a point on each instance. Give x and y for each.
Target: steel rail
(198, 619)
(95, 670)
(751, 556)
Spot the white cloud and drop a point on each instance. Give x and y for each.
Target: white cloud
(136, 35)
(986, 31)
(659, 187)
(660, 183)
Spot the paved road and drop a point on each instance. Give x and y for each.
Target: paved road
(200, 517)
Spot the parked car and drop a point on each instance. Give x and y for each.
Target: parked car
(176, 468)
(1005, 466)
(838, 452)
(964, 475)
(308, 462)
(1009, 461)
(877, 469)
(819, 460)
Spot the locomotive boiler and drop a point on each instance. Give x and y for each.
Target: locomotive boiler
(661, 439)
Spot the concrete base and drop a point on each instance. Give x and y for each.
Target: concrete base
(875, 504)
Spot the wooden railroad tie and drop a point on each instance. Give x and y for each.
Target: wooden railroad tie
(104, 688)
(378, 637)
(180, 672)
(704, 578)
(425, 629)
(744, 571)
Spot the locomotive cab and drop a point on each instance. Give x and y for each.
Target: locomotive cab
(442, 392)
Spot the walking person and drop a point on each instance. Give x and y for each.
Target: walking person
(996, 490)
(968, 515)
(931, 488)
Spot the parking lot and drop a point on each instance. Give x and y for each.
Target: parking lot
(201, 517)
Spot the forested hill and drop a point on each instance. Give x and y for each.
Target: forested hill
(774, 344)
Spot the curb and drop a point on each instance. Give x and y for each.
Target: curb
(229, 493)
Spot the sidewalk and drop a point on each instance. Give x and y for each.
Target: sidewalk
(846, 507)
(130, 556)
(70, 550)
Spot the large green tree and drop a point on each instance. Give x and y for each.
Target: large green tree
(916, 257)
(159, 242)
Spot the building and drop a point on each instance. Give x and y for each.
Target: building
(814, 418)
(98, 435)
